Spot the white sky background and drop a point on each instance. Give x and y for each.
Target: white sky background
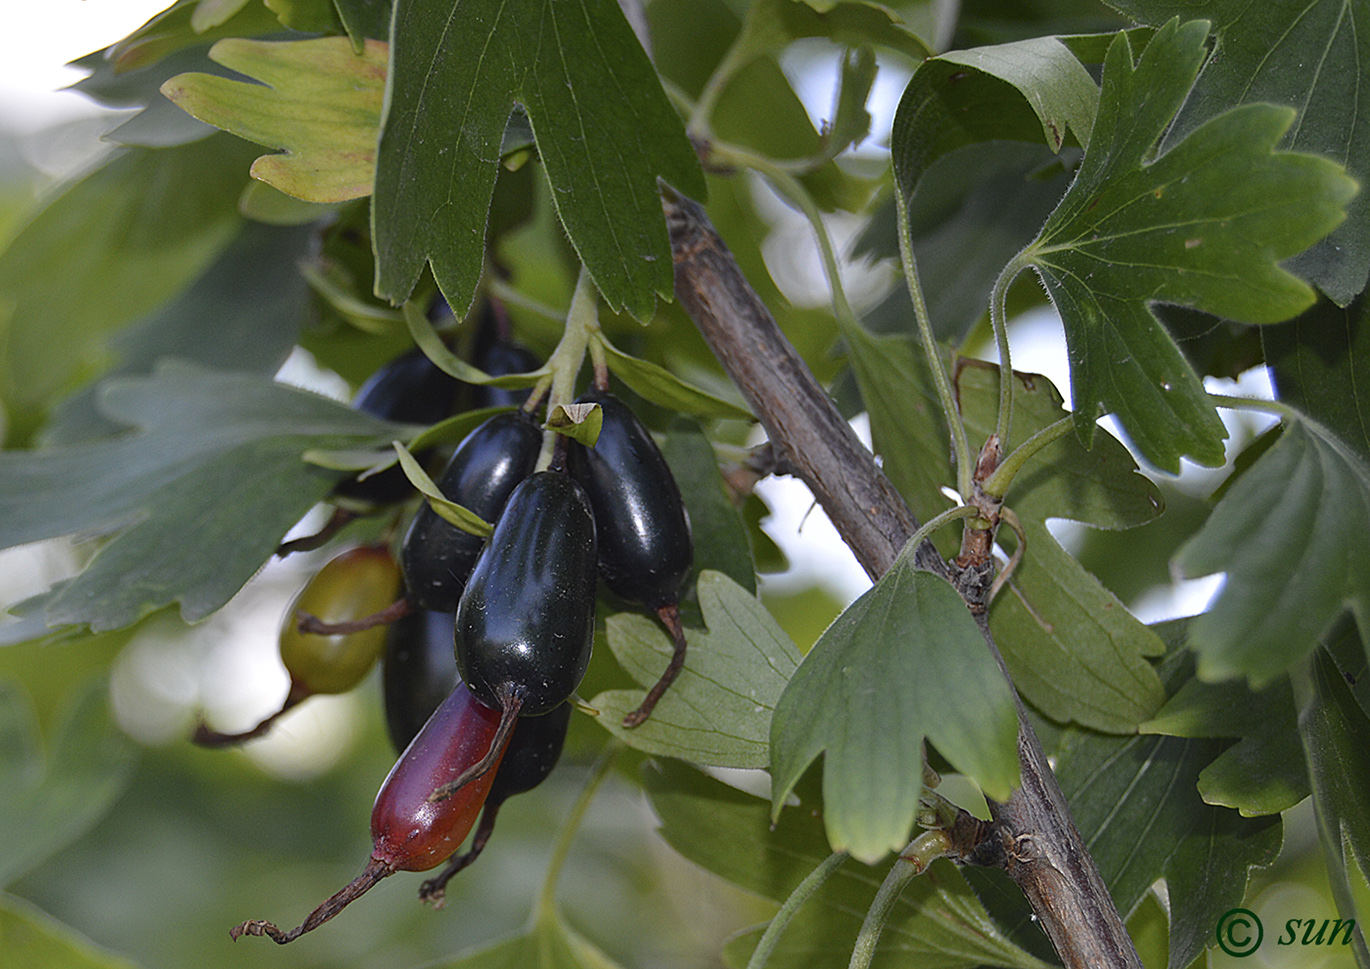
(44, 36)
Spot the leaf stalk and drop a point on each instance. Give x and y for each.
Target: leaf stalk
(545, 906)
(998, 318)
(997, 484)
(959, 442)
(801, 894)
(582, 320)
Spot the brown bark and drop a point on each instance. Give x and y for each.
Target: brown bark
(1043, 851)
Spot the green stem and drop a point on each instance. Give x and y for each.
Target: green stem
(792, 189)
(965, 466)
(582, 319)
(701, 118)
(1276, 407)
(997, 484)
(937, 521)
(546, 903)
(998, 317)
(901, 873)
(811, 883)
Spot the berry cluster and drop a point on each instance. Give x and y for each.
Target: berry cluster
(489, 640)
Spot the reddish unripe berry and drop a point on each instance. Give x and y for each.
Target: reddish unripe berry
(410, 832)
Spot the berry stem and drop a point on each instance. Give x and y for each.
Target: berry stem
(513, 703)
(374, 871)
(670, 618)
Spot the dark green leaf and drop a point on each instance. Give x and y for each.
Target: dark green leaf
(937, 921)
(719, 529)
(851, 122)
(316, 16)
(1202, 225)
(604, 130)
(1307, 56)
(34, 940)
(187, 24)
(690, 38)
(992, 21)
(1136, 803)
(761, 110)
(53, 800)
(109, 250)
(1343, 644)
(973, 210)
(365, 18)
(772, 25)
(908, 427)
(1207, 874)
(719, 711)
(217, 323)
(1290, 536)
(1336, 738)
(1320, 363)
(904, 662)
(1030, 90)
(1264, 772)
(317, 99)
(159, 123)
(1074, 651)
(1213, 346)
(199, 497)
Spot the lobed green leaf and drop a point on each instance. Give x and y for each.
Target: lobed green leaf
(1336, 738)
(1264, 772)
(905, 661)
(214, 464)
(1320, 363)
(719, 710)
(1029, 90)
(110, 249)
(215, 323)
(1072, 648)
(1310, 57)
(1136, 803)
(604, 130)
(1202, 225)
(1289, 533)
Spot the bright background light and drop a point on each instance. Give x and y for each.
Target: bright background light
(54, 32)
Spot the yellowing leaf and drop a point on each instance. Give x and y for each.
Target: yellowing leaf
(318, 100)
